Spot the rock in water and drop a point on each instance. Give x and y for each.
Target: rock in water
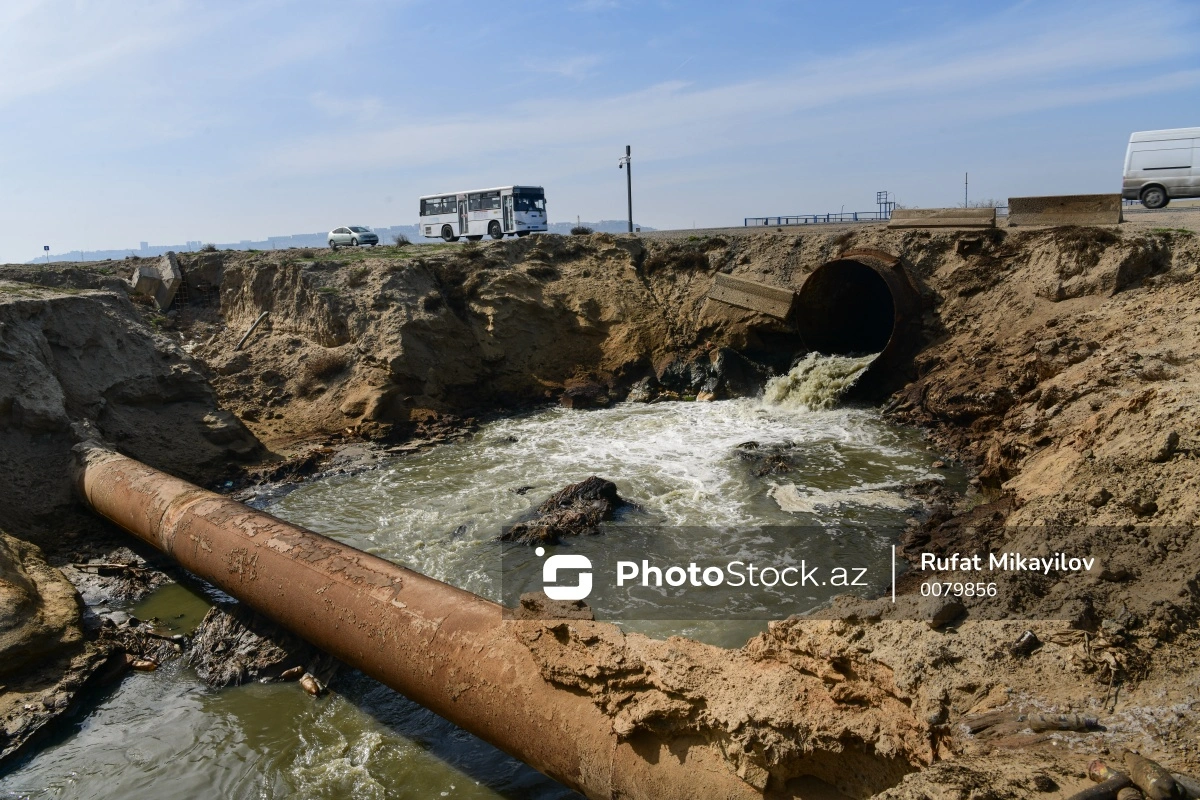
(233, 645)
(576, 510)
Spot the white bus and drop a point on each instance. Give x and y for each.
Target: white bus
(494, 212)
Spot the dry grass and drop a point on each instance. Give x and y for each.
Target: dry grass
(318, 369)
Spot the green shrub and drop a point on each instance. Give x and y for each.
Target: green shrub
(581, 230)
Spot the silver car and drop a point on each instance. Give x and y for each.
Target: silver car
(352, 236)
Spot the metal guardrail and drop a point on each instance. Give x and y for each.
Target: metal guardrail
(825, 219)
(817, 219)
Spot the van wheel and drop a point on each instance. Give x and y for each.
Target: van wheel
(1155, 197)
(448, 234)
(494, 230)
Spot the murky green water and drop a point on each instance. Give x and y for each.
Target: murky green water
(164, 735)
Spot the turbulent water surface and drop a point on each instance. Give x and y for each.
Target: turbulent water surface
(163, 735)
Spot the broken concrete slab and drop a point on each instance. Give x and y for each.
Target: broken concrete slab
(1070, 209)
(743, 293)
(145, 280)
(172, 278)
(943, 218)
(160, 280)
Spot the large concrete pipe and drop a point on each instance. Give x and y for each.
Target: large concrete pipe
(447, 649)
(861, 302)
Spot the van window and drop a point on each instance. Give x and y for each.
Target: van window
(1173, 157)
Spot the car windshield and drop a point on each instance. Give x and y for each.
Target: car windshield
(359, 230)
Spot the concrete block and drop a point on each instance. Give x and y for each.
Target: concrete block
(145, 280)
(943, 218)
(1070, 209)
(171, 278)
(769, 300)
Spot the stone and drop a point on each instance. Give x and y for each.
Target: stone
(938, 612)
(575, 510)
(1166, 448)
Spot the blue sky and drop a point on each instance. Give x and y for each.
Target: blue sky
(218, 121)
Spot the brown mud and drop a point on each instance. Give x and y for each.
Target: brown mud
(1059, 365)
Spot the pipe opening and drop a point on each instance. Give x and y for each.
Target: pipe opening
(846, 308)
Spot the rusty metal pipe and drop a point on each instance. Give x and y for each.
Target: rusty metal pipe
(445, 648)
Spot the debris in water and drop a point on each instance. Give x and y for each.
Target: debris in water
(310, 684)
(771, 459)
(791, 498)
(575, 510)
(816, 382)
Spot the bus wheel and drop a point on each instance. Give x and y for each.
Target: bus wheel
(494, 230)
(1155, 197)
(448, 234)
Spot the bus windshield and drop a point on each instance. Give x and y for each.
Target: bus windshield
(529, 202)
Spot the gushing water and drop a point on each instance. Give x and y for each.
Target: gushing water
(816, 382)
(438, 511)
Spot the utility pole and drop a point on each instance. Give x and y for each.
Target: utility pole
(966, 183)
(625, 163)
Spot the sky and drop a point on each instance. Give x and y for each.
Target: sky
(174, 120)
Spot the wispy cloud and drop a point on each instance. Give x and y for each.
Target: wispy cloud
(1001, 69)
(44, 46)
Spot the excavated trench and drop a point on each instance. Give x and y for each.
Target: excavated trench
(529, 321)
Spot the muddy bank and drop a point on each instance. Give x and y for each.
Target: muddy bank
(1060, 365)
(89, 360)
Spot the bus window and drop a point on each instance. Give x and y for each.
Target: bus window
(475, 202)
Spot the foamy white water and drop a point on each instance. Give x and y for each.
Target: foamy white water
(440, 511)
(816, 382)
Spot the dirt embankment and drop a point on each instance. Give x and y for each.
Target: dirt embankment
(1060, 365)
(75, 362)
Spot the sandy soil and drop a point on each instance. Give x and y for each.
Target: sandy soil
(1060, 365)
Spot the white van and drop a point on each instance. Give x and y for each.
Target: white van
(1160, 165)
